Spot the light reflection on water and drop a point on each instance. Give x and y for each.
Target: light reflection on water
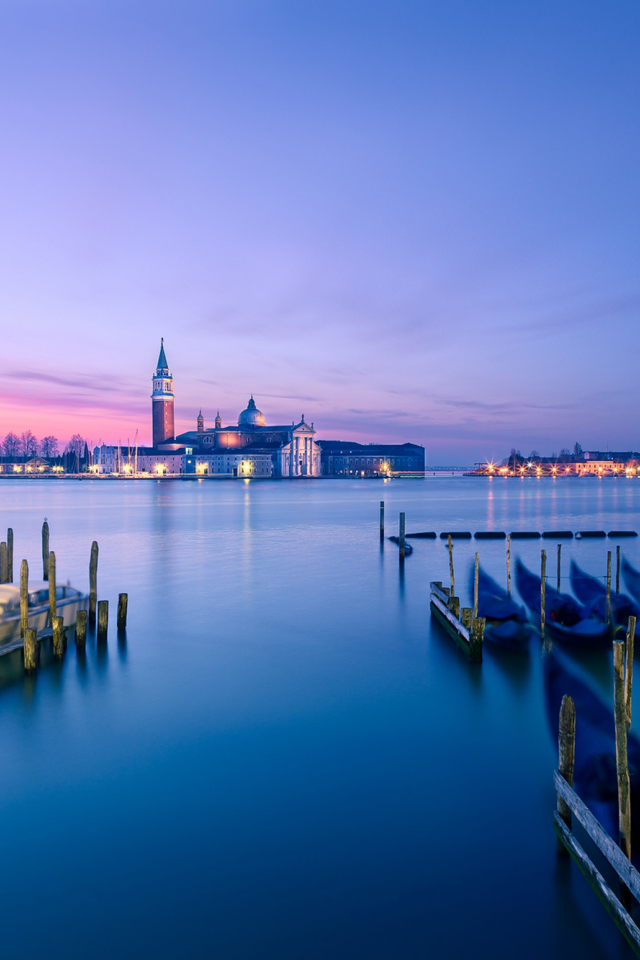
(285, 757)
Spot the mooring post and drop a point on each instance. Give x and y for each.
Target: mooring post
(453, 583)
(559, 560)
(52, 586)
(24, 597)
(81, 628)
(58, 637)
(466, 616)
(509, 565)
(10, 554)
(628, 672)
(566, 756)
(609, 586)
(123, 603)
(381, 521)
(475, 586)
(620, 715)
(618, 569)
(543, 591)
(45, 550)
(476, 638)
(103, 619)
(30, 650)
(4, 578)
(454, 606)
(93, 582)
(402, 537)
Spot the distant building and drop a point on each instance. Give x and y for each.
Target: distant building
(349, 459)
(162, 398)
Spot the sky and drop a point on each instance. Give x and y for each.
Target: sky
(410, 221)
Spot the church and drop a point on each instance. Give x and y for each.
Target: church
(249, 449)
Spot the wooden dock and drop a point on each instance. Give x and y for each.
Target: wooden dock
(467, 631)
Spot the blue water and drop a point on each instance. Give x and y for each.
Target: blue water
(287, 758)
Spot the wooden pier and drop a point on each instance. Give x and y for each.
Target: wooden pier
(467, 631)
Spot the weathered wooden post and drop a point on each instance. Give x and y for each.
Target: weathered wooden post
(509, 565)
(4, 572)
(93, 583)
(24, 597)
(103, 619)
(10, 554)
(566, 756)
(475, 639)
(453, 582)
(608, 586)
(81, 628)
(475, 586)
(620, 715)
(381, 521)
(454, 606)
(618, 569)
(123, 603)
(45, 550)
(58, 637)
(543, 591)
(559, 559)
(466, 616)
(52, 586)
(628, 673)
(30, 650)
(402, 537)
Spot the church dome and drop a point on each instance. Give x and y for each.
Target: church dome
(252, 417)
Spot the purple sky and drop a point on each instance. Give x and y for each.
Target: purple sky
(408, 221)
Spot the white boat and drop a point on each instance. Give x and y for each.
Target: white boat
(68, 602)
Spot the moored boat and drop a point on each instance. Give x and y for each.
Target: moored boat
(566, 620)
(593, 594)
(68, 602)
(506, 621)
(631, 578)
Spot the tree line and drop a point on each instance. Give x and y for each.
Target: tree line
(26, 445)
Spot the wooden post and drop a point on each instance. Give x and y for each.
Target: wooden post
(509, 565)
(466, 616)
(123, 603)
(401, 537)
(559, 559)
(476, 638)
(81, 628)
(566, 755)
(103, 619)
(30, 649)
(52, 586)
(24, 597)
(475, 586)
(4, 578)
(58, 637)
(93, 582)
(45, 550)
(609, 586)
(10, 554)
(454, 606)
(618, 569)
(628, 673)
(453, 583)
(543, 591)
(381, 520)
(624, 805)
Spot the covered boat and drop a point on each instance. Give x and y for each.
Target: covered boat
(593, 594)
(68, 602)
(631, 578)
(506, 621)
(566, 620)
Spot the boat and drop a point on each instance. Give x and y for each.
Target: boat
(595, 776)
(408, 549)
(631, 578)
(68, 602)
(592, 593)
(566, 620)
(506, 621)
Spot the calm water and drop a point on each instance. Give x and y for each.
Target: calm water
(287, 758)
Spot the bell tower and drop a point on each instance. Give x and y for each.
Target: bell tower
(162, 401)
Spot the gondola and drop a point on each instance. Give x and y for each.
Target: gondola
(566, 620)
(595, 777)
(593, 594)
(631, 578)
(506, 621)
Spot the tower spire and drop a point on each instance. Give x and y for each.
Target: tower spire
(162, 359)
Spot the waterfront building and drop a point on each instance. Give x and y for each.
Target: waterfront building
(349, 459)
(162, 399)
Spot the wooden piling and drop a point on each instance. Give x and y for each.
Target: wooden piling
(543, 591)
(10, 555)
(4, 572)
(466, 616)
(620, 716)
(628, 673)
(475, 586)
(475, 639)
(52, 586)
(559, 561)
(45, 550)
(103, 619)
(123, 603)
(81, 628)
(453, 584)
(58, 637)
(93, 582)
(566, 753)
(609, 586)
(30, 650)
(401, 537)
(509, 565)
(618, 569)
(454, 606)
(24, 597)
(381, 520)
